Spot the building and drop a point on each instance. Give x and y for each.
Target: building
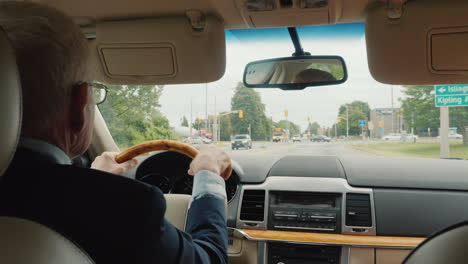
(321, 131)
(384, 121)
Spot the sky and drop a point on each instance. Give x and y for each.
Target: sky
(321, 104)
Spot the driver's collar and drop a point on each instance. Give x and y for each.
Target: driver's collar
(51, 152)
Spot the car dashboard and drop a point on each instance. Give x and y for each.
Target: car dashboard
(325, 209)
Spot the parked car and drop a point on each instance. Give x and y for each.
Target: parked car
(193, 140)
(392, 137)
(400, 137)
(296, 138)
(454, 136)
(412, 138)
(206, 140)
(320, 138)
(241, 141)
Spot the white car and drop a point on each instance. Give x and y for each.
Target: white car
(454, 136)
(392, 137)
(400, 137)
(296, 139)
(193, 140)
(206, 140)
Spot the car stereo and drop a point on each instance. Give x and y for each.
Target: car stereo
(302, 254)
(304, 211)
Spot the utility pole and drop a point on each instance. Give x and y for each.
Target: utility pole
(444, 129)
(393, 115)
(191, 112)
(206, 108)
(336, 131)
(286, 114)
(215, 124)
(347, 121)
(219, 128)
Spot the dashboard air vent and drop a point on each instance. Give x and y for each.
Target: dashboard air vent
(358, 210)
(253, 205)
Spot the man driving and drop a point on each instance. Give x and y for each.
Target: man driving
(313, 76)
(113, 218)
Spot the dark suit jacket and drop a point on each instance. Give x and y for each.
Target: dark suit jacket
(114, 219)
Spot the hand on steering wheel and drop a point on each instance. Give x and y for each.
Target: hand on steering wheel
(168, 145)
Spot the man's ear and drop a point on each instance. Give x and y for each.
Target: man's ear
(79, 101)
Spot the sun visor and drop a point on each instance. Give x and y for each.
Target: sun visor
(427, 43)
(167, 50)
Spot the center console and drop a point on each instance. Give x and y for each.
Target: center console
(304, 211)
(287, 205)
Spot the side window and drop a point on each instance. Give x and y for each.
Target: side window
(132, 114)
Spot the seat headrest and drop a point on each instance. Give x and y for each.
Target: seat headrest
(10, 102)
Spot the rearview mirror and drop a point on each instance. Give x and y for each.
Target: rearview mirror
(295, 73)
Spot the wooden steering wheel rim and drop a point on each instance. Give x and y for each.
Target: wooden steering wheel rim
(155, 145)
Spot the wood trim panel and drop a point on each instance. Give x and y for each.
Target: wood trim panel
(336, 239)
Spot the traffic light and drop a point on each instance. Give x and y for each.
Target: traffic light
(308, 119)
(241, 114)
(340, 118)
(286, 113)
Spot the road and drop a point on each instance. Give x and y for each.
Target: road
(305, 148)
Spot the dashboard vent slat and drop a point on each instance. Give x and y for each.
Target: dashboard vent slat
(358, 210)
(253, 205)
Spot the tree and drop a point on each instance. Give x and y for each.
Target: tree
(226, 127)
(420, 112)
(199, 123)
(184, 122)
(250, 102)
(418, 108)
(294, 129)
(132, 114)
(312, 129)
(336, 70)
(459, 119)
(357, 110)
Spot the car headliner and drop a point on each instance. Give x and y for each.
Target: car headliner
(232, 11)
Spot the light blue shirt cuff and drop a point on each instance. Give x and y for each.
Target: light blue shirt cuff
(208, 183)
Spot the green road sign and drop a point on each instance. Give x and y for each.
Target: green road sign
(451, 100)
(451, 95)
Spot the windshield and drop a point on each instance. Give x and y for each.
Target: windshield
(360, 116)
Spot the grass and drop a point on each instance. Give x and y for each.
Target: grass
(420, 150)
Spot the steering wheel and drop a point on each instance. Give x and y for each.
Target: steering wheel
(168, 145)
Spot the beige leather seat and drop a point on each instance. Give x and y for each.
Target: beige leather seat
(23, 241)
(177, 206)
(447, 246)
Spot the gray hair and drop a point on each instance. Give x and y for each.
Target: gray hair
(53, 56)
